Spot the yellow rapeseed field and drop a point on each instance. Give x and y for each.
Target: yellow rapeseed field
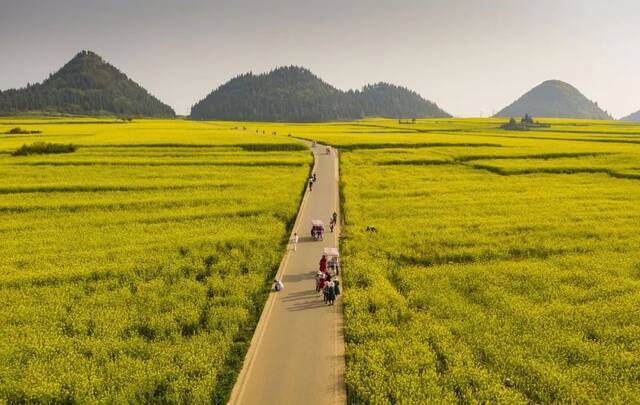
(480, 265)
(484, 265)
(134, 269)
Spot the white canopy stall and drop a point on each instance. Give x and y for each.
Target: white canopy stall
(333, 260)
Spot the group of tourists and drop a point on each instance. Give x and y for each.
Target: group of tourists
(326, 283)
(326, 279)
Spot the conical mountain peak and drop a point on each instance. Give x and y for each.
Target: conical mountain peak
(554, 98)
(86, 85)
(635, 117)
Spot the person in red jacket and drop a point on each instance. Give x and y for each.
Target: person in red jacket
(323, 264)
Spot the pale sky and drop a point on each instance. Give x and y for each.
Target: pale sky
(472, 57)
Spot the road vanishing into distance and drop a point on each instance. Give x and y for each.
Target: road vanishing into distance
(296, 355)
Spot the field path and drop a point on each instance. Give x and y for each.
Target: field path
(296, 355)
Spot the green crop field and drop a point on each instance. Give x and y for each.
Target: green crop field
(133, 270)
(504, 266)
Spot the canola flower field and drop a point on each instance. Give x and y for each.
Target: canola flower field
(504, 266)
(134, 269)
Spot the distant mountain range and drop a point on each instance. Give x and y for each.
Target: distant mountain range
(554, 98)
(86, 85)
(294, 94)
(635, 117)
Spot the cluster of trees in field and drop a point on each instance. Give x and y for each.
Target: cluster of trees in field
(85, 85)
(294, 94)
(527, 122)
(20, 131)
(43, 148)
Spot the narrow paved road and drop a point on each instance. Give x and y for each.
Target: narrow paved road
(297, 352)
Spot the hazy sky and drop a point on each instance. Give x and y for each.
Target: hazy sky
(471, 57)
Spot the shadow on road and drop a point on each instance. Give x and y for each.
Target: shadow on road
(294, 278)
(303, 295)
(307, 239)
(308, 305)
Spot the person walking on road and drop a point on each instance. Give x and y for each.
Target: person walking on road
(311, 184)
(331, 293)
(295, 241)
(314, 177)
(325, 289)
(319, 281)
(277, 285)
(323, 264)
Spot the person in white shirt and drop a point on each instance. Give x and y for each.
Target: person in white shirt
(295, 241)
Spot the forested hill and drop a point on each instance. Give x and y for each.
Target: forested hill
(387, 100)
(554, 98)
(635, 117)
(85, 85)
(294, 94)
